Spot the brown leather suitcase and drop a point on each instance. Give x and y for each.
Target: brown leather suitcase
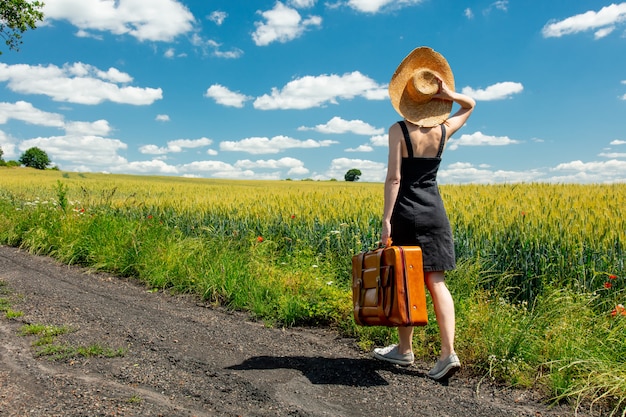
(388, 287)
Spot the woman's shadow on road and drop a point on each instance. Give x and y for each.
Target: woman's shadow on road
(336, 371)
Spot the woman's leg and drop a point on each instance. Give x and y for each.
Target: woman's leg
(444, 310)
(405, 336)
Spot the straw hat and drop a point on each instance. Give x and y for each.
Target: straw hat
(413, 84)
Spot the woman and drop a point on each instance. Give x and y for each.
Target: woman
(422, 91)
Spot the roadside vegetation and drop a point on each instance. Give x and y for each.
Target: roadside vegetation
(539, 286)
(45, 344)
(45, 341)
(5, 303)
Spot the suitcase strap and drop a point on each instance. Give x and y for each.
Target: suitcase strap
(383, 276)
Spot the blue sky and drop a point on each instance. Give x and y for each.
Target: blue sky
(298, 88)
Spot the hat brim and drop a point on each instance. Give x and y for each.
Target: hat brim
(433, 112)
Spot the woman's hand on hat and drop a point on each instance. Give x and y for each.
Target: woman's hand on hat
(444, 91)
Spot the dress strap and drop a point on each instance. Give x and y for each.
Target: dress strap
(407, 139)
(442, 142)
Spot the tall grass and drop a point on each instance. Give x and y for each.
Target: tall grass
(541, 267)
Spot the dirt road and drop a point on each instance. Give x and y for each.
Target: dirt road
(182, 358)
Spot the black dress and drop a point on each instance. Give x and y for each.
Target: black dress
(419, 217)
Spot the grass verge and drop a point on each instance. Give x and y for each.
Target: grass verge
(45, 346)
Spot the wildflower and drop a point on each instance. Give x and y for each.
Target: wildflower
(293, 216)
(619, 309)
(612, 276)
(523, 213)
(149, 216)
(607, 285)
(260, 239)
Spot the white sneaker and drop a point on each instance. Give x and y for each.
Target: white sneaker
(444, 369)
(391, 354)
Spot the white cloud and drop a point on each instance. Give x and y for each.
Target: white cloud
(216, 49)
(76, 83)
(370, 171)
(604, 32)
(207, 166)
(225, 97)
(612, 155)
(302, 4)
(374, 6)
(155, 166)
(25, 112)
(337, 125)
(70, 151)
(155, 20)
(162, 118)
(112, 74)
(217, 17)
(361, 148)
(496, 91)
(180, 144)
(219, 169)
(468, 13)
(571, 172)
(8, 146)
(618, 142)
(282, 24)
(602, 21)
(175, 146)
(98, 154)
(375, 141)
(294, 166)
(479, 139)
(153, 150)
(501, 5)
(84, 34)
(466, 173)
(170, 53)
(97, 128)
(379, 140)
(262, 145)
(591, 172)
(311, 91)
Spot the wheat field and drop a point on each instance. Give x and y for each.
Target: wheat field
(537, 263)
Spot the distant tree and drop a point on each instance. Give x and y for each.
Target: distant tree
(16, 17)
(1, 153)
(35, 158)
(352, 175)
